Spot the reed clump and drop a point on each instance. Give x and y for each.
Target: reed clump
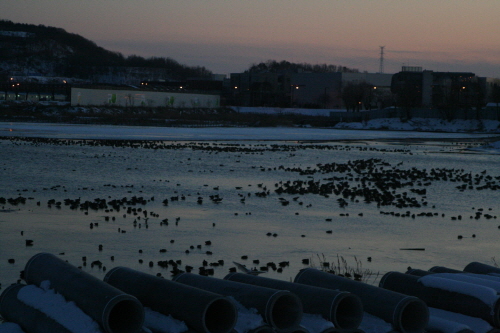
(340, 267)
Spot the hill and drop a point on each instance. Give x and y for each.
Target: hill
(38, 50)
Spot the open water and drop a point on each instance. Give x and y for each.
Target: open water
(224, 192)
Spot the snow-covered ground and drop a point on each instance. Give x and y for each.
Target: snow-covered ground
(381, 129)
(426, 124)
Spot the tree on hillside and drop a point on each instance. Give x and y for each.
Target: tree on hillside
(274, 66)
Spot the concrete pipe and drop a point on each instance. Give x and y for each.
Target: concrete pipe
(279, 308)
(479, 268)
(455, 296)
(201, 310)
(114, 310)
(28, 318)
(407, 314)
(343, 309)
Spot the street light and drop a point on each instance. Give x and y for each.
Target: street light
(292, 88)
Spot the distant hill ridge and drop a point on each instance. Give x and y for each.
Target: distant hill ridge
(50, 51)
(44, 51)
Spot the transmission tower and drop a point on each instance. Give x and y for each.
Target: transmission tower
(381, 69)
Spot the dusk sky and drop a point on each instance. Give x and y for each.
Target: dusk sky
(227, 36)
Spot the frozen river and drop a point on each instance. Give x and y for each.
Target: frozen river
(253, 196)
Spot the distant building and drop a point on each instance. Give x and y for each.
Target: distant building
(34, 92)
(416, 88)
(259, 89)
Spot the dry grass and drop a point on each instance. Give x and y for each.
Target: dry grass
(341, 267)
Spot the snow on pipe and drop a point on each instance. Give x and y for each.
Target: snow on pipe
(262, 329)
(114, 310)
(300, 329)
(477, 279)
(279, 308)
(338, 330)
(28, 318)
(479, 268)
(440, 325)
(343, 309)
(441, 269)
(407, 314)
(455, 296)
(477, 324)
(202, 310)
(418, 272)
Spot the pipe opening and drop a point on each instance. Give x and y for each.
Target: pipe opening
(348, 312)
(414, 316)
(220, 316)
(125, 316)
(286, 311)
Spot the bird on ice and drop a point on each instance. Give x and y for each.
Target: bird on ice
(243, 268)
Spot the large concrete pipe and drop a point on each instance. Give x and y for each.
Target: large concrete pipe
(343, 309)
(456, 296)
(407, 314)
(480, 268)
(279, 308)
(201, 310)
(30, 319)
(114, 310)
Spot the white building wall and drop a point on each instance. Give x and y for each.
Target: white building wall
(86, 96)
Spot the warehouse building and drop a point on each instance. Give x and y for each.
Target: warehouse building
(131, 96)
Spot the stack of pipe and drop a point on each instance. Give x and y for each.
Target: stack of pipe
(280, 309)
(28, 318)
(461, 298)
(407, 314)
(203, 311)
(114, 310)
(476, 273)
(343, 309)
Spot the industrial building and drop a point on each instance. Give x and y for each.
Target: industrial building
(305, 90)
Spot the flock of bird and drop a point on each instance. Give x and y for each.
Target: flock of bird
(394, 189)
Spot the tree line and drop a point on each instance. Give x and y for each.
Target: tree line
(274, 66)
